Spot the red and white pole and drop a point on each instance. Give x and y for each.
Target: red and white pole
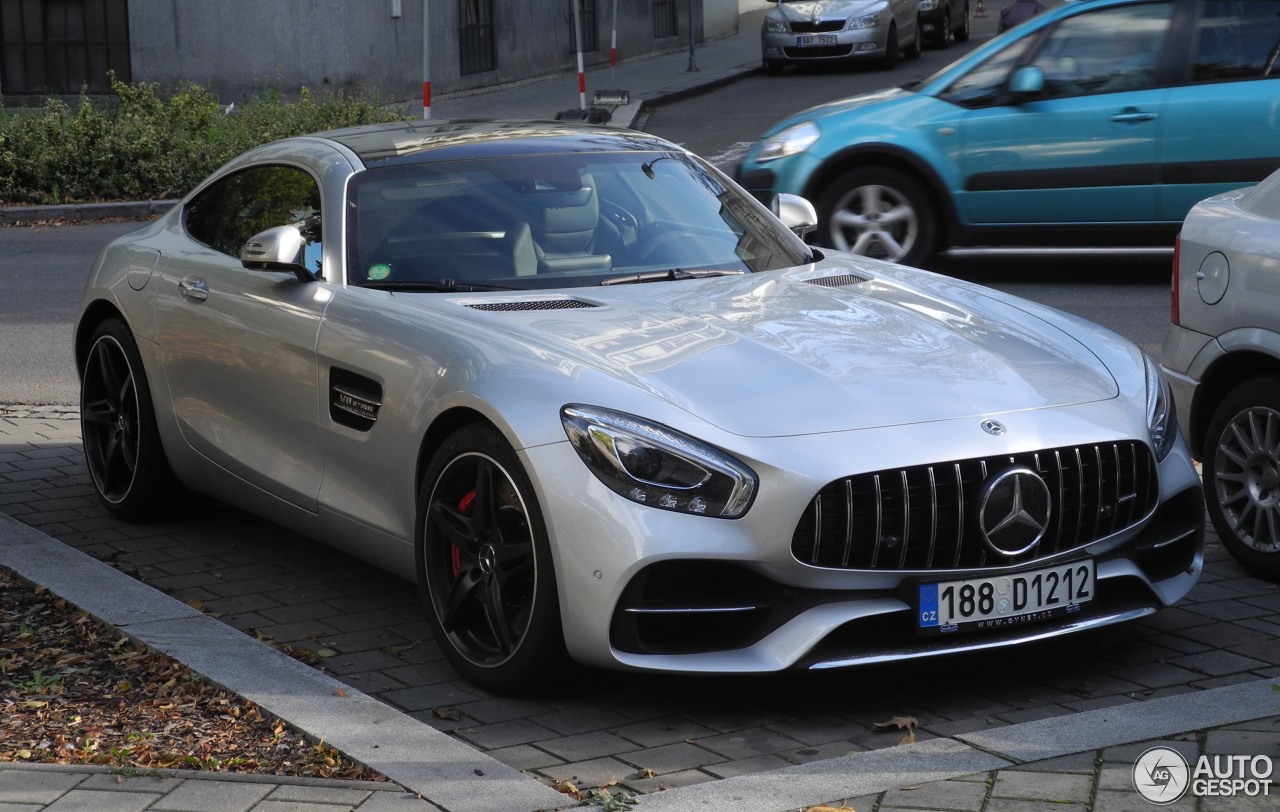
(577, 40)
(426, 61)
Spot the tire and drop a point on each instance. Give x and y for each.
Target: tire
(1242, 474)
(961, 32)
(484, 566)
(118, 425)
(878, 212)
(890, 58)
(944, 37)
(917, 46)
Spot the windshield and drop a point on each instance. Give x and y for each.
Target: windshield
(563, 220)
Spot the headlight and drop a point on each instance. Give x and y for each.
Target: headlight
(869, 21)
(775, 26)
(928, 5)
(788, 142)
(657, 466)
(1161, 420)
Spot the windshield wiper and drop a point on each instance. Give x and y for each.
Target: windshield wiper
(435, 286)
(667, 276)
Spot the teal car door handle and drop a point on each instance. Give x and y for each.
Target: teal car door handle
(1132, 115)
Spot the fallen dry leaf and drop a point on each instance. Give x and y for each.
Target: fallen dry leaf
(73, 692)
(568, 788)
(907, 723)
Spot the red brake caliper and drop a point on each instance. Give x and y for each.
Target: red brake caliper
(455, 554)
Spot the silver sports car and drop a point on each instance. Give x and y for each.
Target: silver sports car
(604, 407)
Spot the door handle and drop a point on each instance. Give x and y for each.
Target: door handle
(1133, 116)
(193, 289)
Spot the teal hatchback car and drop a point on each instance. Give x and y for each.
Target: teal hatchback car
(1093, 126)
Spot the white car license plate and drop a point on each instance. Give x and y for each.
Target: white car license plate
(1005, 600)
(821, 39)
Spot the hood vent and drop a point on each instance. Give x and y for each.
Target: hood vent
(837, 280)
(542, 304)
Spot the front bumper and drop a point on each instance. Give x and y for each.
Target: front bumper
(839, 46)
(644, 589)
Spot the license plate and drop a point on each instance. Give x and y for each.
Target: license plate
(821, 39)
(1005, 600)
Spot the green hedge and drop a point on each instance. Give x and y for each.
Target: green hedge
(136, 145)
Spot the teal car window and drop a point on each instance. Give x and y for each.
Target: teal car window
(1237, 40)
(1104, 51)
(982, 85)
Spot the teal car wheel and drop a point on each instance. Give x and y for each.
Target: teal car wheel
(878, 213)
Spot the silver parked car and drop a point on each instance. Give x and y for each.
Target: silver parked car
(812, 32)
(1223, 353)
(604, 406)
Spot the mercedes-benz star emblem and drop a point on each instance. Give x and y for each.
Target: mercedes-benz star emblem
(1015, 511)
(993, 427)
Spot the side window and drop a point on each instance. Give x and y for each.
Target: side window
(982, 85)
(1104, 51)
(1237, 40)
(229, 212)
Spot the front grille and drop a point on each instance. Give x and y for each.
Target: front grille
(926, 517)
(825, 52)
(818, 27)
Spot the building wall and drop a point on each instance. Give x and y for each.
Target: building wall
(239, 47)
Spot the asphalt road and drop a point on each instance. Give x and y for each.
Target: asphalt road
(42, 271)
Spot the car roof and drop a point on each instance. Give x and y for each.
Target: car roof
(417, 141)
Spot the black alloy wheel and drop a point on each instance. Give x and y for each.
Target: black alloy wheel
(118, 426)
(484, 566)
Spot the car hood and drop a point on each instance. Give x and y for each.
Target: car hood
(815, 351)
(824, 9)
(888, 107)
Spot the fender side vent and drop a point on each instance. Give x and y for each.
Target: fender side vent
(354, 400)
(541, 304)
(837, 280)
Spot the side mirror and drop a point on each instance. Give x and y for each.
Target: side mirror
(796, 213)
(1027, 81)
(277, 249)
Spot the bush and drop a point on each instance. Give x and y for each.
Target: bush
(135, 145)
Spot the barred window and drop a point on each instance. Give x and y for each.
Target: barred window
(475, 37)
(664, 19)
(63, 46)
(590, 37)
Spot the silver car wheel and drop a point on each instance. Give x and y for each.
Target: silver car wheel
(1242, 474)
(1247, 477)
(878, 212)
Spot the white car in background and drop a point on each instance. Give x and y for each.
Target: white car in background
(807, 32)
(1223, 356)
